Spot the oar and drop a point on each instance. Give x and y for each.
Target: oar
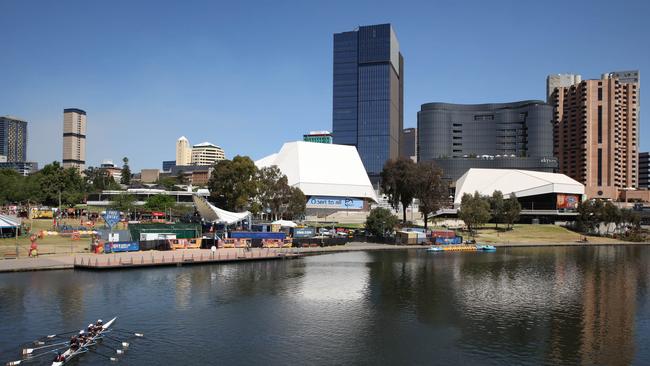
(32, 358)
(129, 331)
(101, 354)
(40, 340)
(118, 351)
(124, 344)
(28, 351)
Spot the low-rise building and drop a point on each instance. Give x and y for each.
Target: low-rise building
(206, 153)
(322, 137)
(149, 175)
(23, 167)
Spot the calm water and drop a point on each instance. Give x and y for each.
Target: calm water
(517, 306)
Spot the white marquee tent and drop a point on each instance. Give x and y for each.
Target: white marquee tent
(211, 213)
(322, 169)
(522, 183)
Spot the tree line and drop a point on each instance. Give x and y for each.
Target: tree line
(476, 210)
(54, 185)
(238, 185)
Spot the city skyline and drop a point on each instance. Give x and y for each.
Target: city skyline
(136, 77)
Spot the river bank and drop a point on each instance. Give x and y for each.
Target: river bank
(67, 261)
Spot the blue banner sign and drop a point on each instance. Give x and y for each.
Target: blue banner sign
(341, 203)
(121, 246)
(454, 240)
(112, 217)
(304, 232)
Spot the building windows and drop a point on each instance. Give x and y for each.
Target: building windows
(484, 117)
(600, 167)
(600, 124)
(600, 93)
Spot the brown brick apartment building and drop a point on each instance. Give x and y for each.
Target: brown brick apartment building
(596, 134)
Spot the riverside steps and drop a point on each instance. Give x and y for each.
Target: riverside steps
(178, 258)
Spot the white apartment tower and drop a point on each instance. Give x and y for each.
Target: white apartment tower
(74, 138)
(206, 154)
(183, 151)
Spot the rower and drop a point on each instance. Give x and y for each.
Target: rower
(91, 329)
(59, 357)
(99, 323)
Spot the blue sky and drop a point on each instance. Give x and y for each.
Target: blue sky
(250, 75)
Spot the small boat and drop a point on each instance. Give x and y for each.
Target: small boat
(435, 248)
(486, 248)
(70, 354)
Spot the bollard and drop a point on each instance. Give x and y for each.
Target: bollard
(75, 261)
(109, 261)
(201, 259)
(120, 260)
(142, 259)
(131, 260)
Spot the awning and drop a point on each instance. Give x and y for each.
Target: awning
(211, 213)
(8, 222)
(284, 223)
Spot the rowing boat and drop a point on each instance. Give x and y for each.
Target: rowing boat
(70, 354)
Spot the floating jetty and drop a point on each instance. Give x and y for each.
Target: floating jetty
(461, 248)
(178, 258)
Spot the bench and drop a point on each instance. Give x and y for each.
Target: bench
(10, 256)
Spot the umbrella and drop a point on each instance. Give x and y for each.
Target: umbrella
(284, 223)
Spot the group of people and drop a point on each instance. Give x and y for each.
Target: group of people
(81, 339)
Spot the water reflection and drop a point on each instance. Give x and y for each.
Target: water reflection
(516, 306)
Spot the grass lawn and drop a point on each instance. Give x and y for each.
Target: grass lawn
(48, 244)
(535, 234)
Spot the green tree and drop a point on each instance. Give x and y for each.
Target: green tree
(296, 204)
(181, 178)
(474, 211)
(589, 215)
(497, 206)
(167, 183)
(430, 190)
(398, 181)
(126, 172)
(11, 186)
(610, 215)
(380, 222)
(233, 183)
(123, 202)
(53, 183)
(511, 210)
(273, 190)
(159, 202)
(99, 179)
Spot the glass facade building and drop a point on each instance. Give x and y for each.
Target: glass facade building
(368, 94)
(458, 137)
(13, 139)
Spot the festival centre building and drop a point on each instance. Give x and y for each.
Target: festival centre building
(547, 196)
(331, 176)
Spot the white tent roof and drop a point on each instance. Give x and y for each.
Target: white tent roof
(284, 223)
(520, 182)
(211, 213)
(322, 169)
(8, 222)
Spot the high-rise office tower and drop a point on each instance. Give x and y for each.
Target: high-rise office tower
(560, 80)
(368, 94)
(596, 134)
(74, 138)
(13, 139)
(408, 143)
(206, 153)
(183, 151)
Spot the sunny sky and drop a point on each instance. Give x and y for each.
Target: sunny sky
(249, 76)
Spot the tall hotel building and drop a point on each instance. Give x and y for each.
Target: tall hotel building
(368, 94)
(183, 151)
(596, 134)
(74, 138)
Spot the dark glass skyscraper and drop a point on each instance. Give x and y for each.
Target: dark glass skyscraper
(13, 139)
(368, 94)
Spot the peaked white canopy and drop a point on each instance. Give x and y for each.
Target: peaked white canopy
(211, 213)
(322, 169)
(520, 182)
(284, 223)
(8, 222)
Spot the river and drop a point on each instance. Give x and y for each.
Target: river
(525, 306)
